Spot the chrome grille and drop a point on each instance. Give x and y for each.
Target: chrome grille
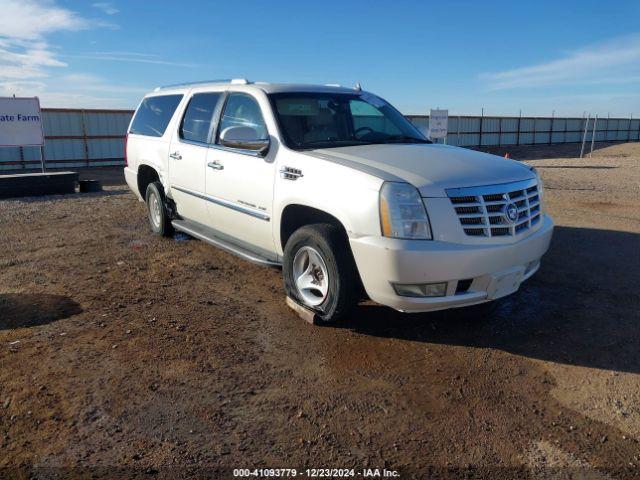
(482, 210)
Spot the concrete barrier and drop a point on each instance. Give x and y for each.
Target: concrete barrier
(32, 184)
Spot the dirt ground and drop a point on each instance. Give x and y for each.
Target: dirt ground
(124, 354)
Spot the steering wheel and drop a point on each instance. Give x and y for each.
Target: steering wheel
(362, 129)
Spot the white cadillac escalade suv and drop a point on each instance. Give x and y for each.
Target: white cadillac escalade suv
(335, 186)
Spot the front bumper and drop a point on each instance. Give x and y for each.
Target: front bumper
(384, 261)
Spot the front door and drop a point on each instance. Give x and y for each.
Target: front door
(188, 156)
(239, 183)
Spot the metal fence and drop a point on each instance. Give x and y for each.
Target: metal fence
(90, 138)
(467, 131)
(73, 138)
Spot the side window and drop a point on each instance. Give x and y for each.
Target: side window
(197, 119)
(367, 116)
(243, 110)
(154, 114)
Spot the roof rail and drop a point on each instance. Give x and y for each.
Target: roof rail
(233, 81)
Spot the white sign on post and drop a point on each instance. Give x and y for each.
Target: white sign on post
(438, 123)
(20, 122)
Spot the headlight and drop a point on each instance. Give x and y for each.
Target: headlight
(539, 180)
(402, 213)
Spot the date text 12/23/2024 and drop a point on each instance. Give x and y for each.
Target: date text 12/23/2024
(315, 472)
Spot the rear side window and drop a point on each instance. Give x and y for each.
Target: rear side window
(196, 123)
(154, 114)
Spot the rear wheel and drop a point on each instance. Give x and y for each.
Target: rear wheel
(159, 217)
(319, 271)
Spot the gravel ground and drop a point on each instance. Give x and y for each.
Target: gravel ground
(128, 355)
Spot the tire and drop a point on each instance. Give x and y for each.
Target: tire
(159, 217)
(318, 258)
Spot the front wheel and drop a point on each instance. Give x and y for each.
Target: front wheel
(319, 271)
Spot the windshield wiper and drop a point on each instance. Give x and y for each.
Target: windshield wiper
(403, 139)
(333, 143)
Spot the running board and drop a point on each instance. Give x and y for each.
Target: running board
(208, 235)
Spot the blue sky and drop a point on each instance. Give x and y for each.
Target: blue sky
(503, 56)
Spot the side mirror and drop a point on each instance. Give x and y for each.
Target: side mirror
(245, 138)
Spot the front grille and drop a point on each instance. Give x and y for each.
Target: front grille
(482, 210)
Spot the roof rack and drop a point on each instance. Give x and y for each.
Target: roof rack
(232, 81)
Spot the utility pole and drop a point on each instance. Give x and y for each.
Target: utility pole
(481, 119)
(584, 135)
(593, 135)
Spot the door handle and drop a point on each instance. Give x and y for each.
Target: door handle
(215, 165)
(176, 156)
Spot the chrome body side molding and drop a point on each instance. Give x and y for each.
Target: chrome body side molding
(225, 203)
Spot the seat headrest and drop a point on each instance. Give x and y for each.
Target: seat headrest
(323, 119)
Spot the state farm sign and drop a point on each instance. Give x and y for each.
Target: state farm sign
(20, 122)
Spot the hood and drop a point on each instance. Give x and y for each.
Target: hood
(431, 168)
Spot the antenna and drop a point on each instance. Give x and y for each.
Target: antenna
(358, 87)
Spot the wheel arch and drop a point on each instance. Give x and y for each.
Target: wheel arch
(296, 215)
(146, 175)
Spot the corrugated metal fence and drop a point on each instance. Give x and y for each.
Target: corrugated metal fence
(90, 138)
(467, 131)
(74, 138)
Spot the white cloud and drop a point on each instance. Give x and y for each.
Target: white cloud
(75, 90)
(8, 88)
(131, 58)
(95, 83)
(31, 19)
(25, 55)
(30, 66)
(106, 7)
(128, 54)
(614, 62)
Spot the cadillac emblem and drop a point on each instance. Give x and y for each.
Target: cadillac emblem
(510, 212)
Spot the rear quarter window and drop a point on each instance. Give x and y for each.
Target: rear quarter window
(154, 114)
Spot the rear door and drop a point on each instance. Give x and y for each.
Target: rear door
(188, 156)
(240, 183)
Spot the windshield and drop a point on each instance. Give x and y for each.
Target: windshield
(327, 120)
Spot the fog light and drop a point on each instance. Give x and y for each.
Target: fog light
(420, 289)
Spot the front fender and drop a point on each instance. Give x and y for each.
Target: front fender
(349, 195)
(358, 218)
